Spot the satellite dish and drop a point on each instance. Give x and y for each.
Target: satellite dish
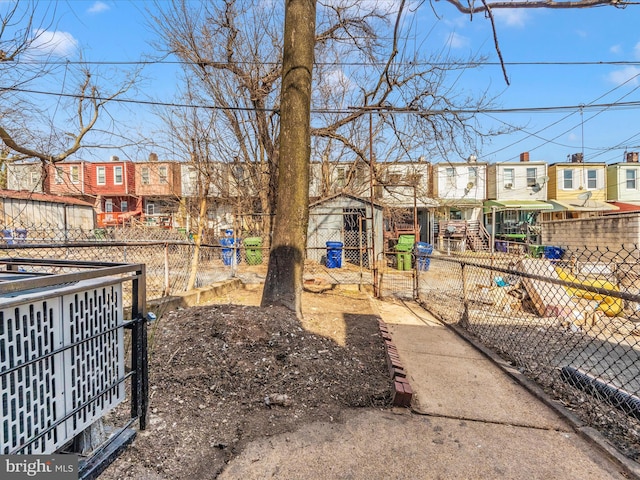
(470, 185)
(542, 180)
(585, 197)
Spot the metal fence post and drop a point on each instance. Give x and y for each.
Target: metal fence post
(139, 364)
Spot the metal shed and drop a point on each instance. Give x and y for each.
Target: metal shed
(349, 220)
(38, 212)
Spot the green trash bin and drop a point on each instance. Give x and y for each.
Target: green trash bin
(253, 250)
(536, 251)
(404, 248)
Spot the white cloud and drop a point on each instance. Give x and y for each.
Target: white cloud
(457, 41)
(627, 75)
(615, 49)
(60, 44)
(513, 17)
(337, 78)
(98, 7)
(636, 50)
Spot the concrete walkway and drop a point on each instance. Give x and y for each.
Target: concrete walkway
(469, 420)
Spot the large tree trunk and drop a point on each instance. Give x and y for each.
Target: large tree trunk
(283, 285)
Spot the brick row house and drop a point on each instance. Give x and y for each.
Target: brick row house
(468, 200)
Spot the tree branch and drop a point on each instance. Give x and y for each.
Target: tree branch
(471, 8)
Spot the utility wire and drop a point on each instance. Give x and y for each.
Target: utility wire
(388, 110)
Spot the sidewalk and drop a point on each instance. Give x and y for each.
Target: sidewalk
(469, 420)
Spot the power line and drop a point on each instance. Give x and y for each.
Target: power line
(382, 109)
(338, 64)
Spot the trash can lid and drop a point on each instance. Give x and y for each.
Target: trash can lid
(334, 244)
(406, 238)
(253, 241)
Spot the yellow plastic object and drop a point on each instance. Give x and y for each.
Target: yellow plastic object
(611, 306)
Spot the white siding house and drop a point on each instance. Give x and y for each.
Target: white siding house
(623, 180)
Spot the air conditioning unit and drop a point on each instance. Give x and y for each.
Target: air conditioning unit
(508, 185)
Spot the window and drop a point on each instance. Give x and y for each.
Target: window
(473, 175)
(532, 174)
(450, 172)
(592, 179)
(59, 176)
(144, 174)
(101, 175)
(124, 206)
(567, 179)
(34, 178)
(150, 208)
(414, 179)
(395, 178)
(340, 177)
(117, 175)
(162, 173)
(108, 205)
(631, 179)
(75, 174)
(509, 177)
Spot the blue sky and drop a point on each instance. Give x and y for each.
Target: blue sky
(116, 31)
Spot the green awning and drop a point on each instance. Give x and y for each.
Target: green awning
(527, 205)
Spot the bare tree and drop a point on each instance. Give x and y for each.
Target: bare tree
(234, 49)
(195, 137)
(51, 131)
(234, 52)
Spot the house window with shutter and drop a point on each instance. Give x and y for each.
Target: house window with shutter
(567, 179)
(592, 179)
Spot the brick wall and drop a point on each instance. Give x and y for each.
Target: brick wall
(611, 232)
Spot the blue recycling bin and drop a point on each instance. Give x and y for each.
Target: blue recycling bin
(553, 253)
(334, 254)
(7, 235)
(228, 246)
(21, 235)
(423, 249)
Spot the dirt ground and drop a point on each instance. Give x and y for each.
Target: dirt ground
(225, 374)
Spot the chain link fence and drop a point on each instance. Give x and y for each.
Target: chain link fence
(567, 318)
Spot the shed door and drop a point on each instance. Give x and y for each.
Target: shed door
(355, 236)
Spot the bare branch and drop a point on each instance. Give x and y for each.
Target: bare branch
(471, 8)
